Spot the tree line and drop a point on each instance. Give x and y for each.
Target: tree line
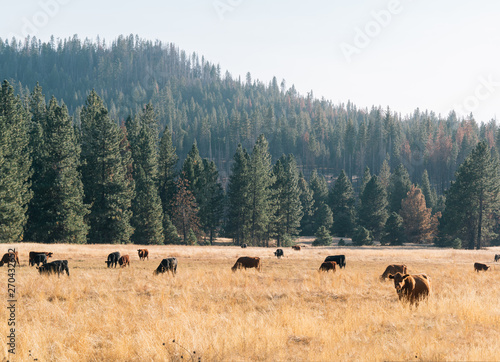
(102, 181)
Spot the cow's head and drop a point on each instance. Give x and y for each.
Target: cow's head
(49, 255)
(402, 282)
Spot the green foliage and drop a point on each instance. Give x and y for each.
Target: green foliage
(372, 211)
(166, 170)
(341, 242)
(287, 240)
(472, 202)
(106, 170)
(394, 233)
(429, 193)
(210, 199)
(399, 186)
(307, 203)
(456, 243)
(191, 239)
(287, 205)
(185, 210)
(362, 236)
(170, 232)
(15, 164)
(323, 237)
(342, 203)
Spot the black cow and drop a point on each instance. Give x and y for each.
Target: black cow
(243, 246)
(339, 259)
(167, 265)
(497, 257)
(39, 259)
(113, 259)
(57, 266)
(279, 253)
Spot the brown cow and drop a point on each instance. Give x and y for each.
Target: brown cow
(411, 288)
(327, 266)
(393, 269)
(124, 261)
(479, 266)
(143, 254)
(246, 262)
(34, 253)
(296, 247)
(8, 257)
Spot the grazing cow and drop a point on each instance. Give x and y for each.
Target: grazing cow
(124, 261)
(393, 269)
(39, 259)
(57, 266)
(34, 253)
(296, 247)
(10, 257)
(327, 266)
(113, 259)
(279, 253)
(167, 265)
(411, 288)
(479, 266)
(243, 246)
(339, 259)
(143, 254)
(497, 257)
(246, 262)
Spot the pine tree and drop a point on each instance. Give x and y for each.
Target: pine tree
(288, 208)
(166, 170)
(429, 193)
(323, 237)
(342, 203)
(394, 230)
(105, 173)
(366, 178)
(307, 202)
(385, 175)
(147, 209)
(170, 231)
(259, 195)
(399, 186)
(417, 218)
(63, 207)
(373, 208)
(15, 164)
(319, 187)
(472, 200)
(192, 169)
(185, 210)
(211, 199)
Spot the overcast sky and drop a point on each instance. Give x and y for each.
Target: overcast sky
(398, 53)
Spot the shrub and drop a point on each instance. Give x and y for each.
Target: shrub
(323, 237)
(362, 237)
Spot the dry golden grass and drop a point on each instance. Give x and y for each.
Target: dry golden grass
(288, 311)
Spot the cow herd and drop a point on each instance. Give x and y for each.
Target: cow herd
(409, 288)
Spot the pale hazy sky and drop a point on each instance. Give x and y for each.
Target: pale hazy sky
(399, 53)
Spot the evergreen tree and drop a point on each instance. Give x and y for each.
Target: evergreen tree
(362, 236)
(323, 237)
(307, 203)
(288, 208)
(15, 164)
(373, 208)
(167, 163)
(170, 231)
(147, 209)
(385, 175)
(319, 187)
(366, 178)
(62, 204)
(472, 200)
(108, 186)
(185, 210)
(211, 199)
(323, 216)
(342, 203)
(399, 186)
(238, 197)
(259, 195)
(393, 230)
(192, 169)
(429, 193)
(35, 227)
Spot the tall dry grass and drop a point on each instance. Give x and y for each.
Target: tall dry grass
(288, 311)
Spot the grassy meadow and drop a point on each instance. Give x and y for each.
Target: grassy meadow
(288, 311)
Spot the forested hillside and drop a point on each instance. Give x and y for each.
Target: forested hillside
(136, 142)
(197, 102)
